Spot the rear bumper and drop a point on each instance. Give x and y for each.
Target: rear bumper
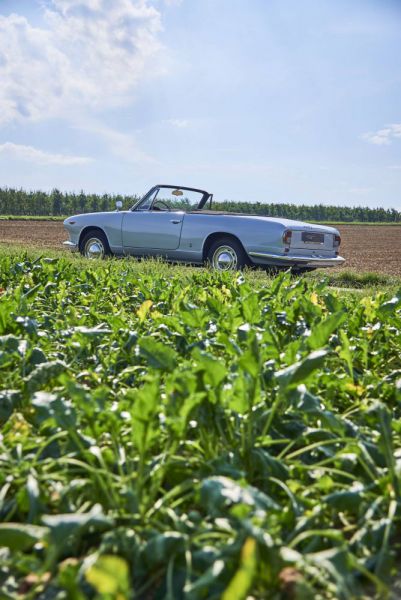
(71, 246)
(290, 260)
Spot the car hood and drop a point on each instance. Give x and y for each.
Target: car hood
(89, 216)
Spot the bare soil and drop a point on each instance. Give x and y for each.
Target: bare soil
(40, 234)
(371, 248)
(375, 249)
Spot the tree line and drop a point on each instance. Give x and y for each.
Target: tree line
(56, 203)
(315, 212)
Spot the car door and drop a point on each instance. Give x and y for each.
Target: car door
(151, 230)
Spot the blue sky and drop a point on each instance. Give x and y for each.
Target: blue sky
(268, 100)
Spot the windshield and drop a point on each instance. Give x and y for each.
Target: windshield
(171, 198)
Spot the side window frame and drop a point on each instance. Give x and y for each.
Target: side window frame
(153, 192)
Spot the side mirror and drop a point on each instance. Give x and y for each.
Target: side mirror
(119, 205)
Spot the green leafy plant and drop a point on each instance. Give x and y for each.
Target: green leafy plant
(171, 433)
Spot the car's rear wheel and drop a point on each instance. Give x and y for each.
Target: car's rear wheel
(226, 254)
(94, 245)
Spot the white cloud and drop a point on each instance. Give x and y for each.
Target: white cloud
(233, 167)
(384, 137)
(90, 55)
(122, 145)
(39, 157)
(173, 2)
(360, 190)
(180, 123)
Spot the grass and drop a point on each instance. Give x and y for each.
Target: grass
(361, 281)
(32, 218)
(362, 223)
(171, 432)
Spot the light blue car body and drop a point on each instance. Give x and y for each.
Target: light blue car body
(187, 236)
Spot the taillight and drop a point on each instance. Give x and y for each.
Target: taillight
(337, 241)
(287, 235)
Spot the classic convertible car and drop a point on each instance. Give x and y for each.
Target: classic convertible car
(179, 224)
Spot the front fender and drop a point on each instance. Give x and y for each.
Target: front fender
(110, 223)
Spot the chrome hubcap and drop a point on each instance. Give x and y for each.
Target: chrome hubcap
(94, 248)
(225, 259)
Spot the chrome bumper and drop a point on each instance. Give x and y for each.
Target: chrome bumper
(310, 261)
(71, 246)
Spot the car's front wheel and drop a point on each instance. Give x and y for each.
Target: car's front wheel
(226, 254)
(94, 245)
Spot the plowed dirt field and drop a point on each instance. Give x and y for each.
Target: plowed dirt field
(366, 248)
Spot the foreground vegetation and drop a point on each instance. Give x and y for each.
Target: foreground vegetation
(177, 433)
(56, 203)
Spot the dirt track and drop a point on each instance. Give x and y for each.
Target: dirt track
(366, 248)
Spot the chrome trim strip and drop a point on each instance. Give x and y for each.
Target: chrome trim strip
(312, 260)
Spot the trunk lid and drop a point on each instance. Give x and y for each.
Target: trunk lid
(312, 238)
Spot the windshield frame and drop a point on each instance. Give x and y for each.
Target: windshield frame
(203, 200)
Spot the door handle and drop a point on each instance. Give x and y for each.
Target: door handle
(175, 221)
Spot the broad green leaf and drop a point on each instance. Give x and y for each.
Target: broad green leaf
(346, 353)
(9, 343)
(92, 332)
(236, 394)
(389, 307)
(301, 370)
(162, 547)
(157, 354)
(37, 357)
(144, 412)
(268, 465)
(9, 399)
(322, 331)
(251, 308)
(44, 374)
(213, 370)
(311, 405)
(346, 500)
(206, 582)
(48, 405)
(220, 493)
(18, 536)
(250, 362)
(64, 528)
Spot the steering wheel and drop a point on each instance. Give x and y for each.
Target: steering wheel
(163, 203)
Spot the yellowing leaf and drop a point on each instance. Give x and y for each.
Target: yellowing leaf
(241, 582)
(144, 309)
(226, 291)
(109, 575)
(314, 298)
(357, 389)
